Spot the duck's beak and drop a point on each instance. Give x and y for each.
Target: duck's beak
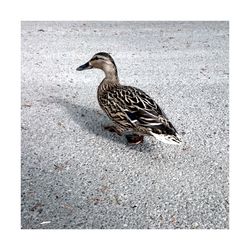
(85, 66)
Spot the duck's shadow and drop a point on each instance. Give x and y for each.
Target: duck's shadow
(93, 120)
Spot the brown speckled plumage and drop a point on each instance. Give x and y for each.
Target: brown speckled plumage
(130, 108)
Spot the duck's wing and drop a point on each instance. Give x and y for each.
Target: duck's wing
(132, 106)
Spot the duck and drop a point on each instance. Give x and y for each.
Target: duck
(133, 112)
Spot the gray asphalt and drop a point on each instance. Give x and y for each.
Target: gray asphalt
(76, 175)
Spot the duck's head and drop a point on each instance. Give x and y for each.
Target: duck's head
(101, 60)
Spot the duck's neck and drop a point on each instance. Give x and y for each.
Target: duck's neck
(110, 71)
(112, 76)
(111, 79)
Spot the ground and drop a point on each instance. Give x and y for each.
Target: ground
(77, 175)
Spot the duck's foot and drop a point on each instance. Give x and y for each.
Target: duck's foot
(113, 129)
(134, 139)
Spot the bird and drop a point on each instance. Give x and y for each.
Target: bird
(133, 112)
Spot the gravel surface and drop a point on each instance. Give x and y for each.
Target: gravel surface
(76, 175)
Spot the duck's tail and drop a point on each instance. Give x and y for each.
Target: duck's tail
(166, 133)
(170, 139)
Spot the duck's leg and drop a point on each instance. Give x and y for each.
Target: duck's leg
(131, 138)
(114, 129)
(134, 138)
